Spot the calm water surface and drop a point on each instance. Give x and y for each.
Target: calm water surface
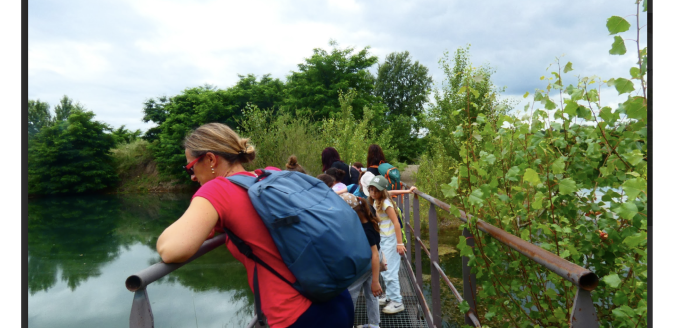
(81, 250)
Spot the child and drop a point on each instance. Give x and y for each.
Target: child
(391, 241)
(369, 281)
(338, 175)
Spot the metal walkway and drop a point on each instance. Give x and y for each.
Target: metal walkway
(411, 317)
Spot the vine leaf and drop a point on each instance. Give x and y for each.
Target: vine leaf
(627, 210)
(634, 157)
(476, 197)
(623, 85)
(558, 165)
(618, 47)
(635, 73)
(567, 186)
(634, 240)
(612, 280)
(532, 177)
(512, 173)
(616, 24)
(537, 200)
(623, 312)
(636, 108)
(633, 187)
(571, 107)
(448, 191)
(568, 67)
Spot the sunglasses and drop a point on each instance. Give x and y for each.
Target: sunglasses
(189, 168)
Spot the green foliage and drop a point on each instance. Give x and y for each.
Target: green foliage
(39, 115)
(65, 108)
(178, 115)
(570, 176)
(404, 88)
(276, 136)
(313, 90)
(71, 156)
(123, 135)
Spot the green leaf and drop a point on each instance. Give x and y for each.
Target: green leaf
(476, 197)
(537, 200)
(567, 186)
(512, 173)
(564, 254)
(551, 293)
(463, 306)
(448, 191)
(634, 157)
(583, 112)
(568, 67)
(635, 73)
(634, 240)
(526, 94)
(636, 108)
(489, 158)
(616, 24)
(489, 315)
(612, 280)
(571, 107)
(525, 234)
(619, 298)
(475, 92)
(627, 210)
(633, 187)
(618, 47)
(558, 165)
(610, 82)
(455, 211)
(623, 312)
(465, 249)
(531, 177)
(623, 85)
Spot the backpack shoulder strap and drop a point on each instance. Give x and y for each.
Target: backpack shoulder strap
(248, 252)
(242, 181)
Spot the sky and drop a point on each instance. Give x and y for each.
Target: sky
(112, 55)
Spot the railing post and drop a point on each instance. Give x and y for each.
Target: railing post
(583, 312)
(417, 246)
(469, 280)
(141, 312)
(408, 233)
(434, 251)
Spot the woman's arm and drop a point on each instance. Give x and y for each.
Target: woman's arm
(185, 236)
(375, 270)
(398, 233)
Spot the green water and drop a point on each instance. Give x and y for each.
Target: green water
(81, 250)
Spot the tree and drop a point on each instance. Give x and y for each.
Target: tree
(454, 108)
(178, 115)
(39, 115)
(314, 88)
(65, 107)
(404, 87)
(123, 135)
(71, 156)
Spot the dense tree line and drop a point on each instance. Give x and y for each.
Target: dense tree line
(396, 100)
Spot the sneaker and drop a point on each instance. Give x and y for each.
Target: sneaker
(394, 307)
(382, 299)
(367, 326)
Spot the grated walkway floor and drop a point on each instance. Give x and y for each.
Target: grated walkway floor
(411, 317)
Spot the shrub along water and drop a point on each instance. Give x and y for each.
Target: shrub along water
(570, 176)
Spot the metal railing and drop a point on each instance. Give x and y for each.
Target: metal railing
(583, 314)
(141, 311)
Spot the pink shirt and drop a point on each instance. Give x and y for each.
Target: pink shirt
(281, 303)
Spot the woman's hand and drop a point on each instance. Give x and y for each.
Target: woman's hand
(412, 189)
(401, 249)
(376, 288)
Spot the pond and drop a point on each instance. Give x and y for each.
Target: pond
(81, 250)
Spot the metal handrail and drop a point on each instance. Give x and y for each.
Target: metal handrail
(141, 311)
(583, 312)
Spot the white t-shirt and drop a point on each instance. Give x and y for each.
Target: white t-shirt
(385, 224)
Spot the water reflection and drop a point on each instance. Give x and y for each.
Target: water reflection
(81, 249)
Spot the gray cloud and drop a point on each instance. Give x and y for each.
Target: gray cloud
(113, 55)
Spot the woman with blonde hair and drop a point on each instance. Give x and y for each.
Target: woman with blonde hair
(213, 152)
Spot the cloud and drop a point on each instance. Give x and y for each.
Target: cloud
(112, 55)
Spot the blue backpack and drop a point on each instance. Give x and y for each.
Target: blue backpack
(318, 235)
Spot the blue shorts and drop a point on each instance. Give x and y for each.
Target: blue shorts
(336, 313)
